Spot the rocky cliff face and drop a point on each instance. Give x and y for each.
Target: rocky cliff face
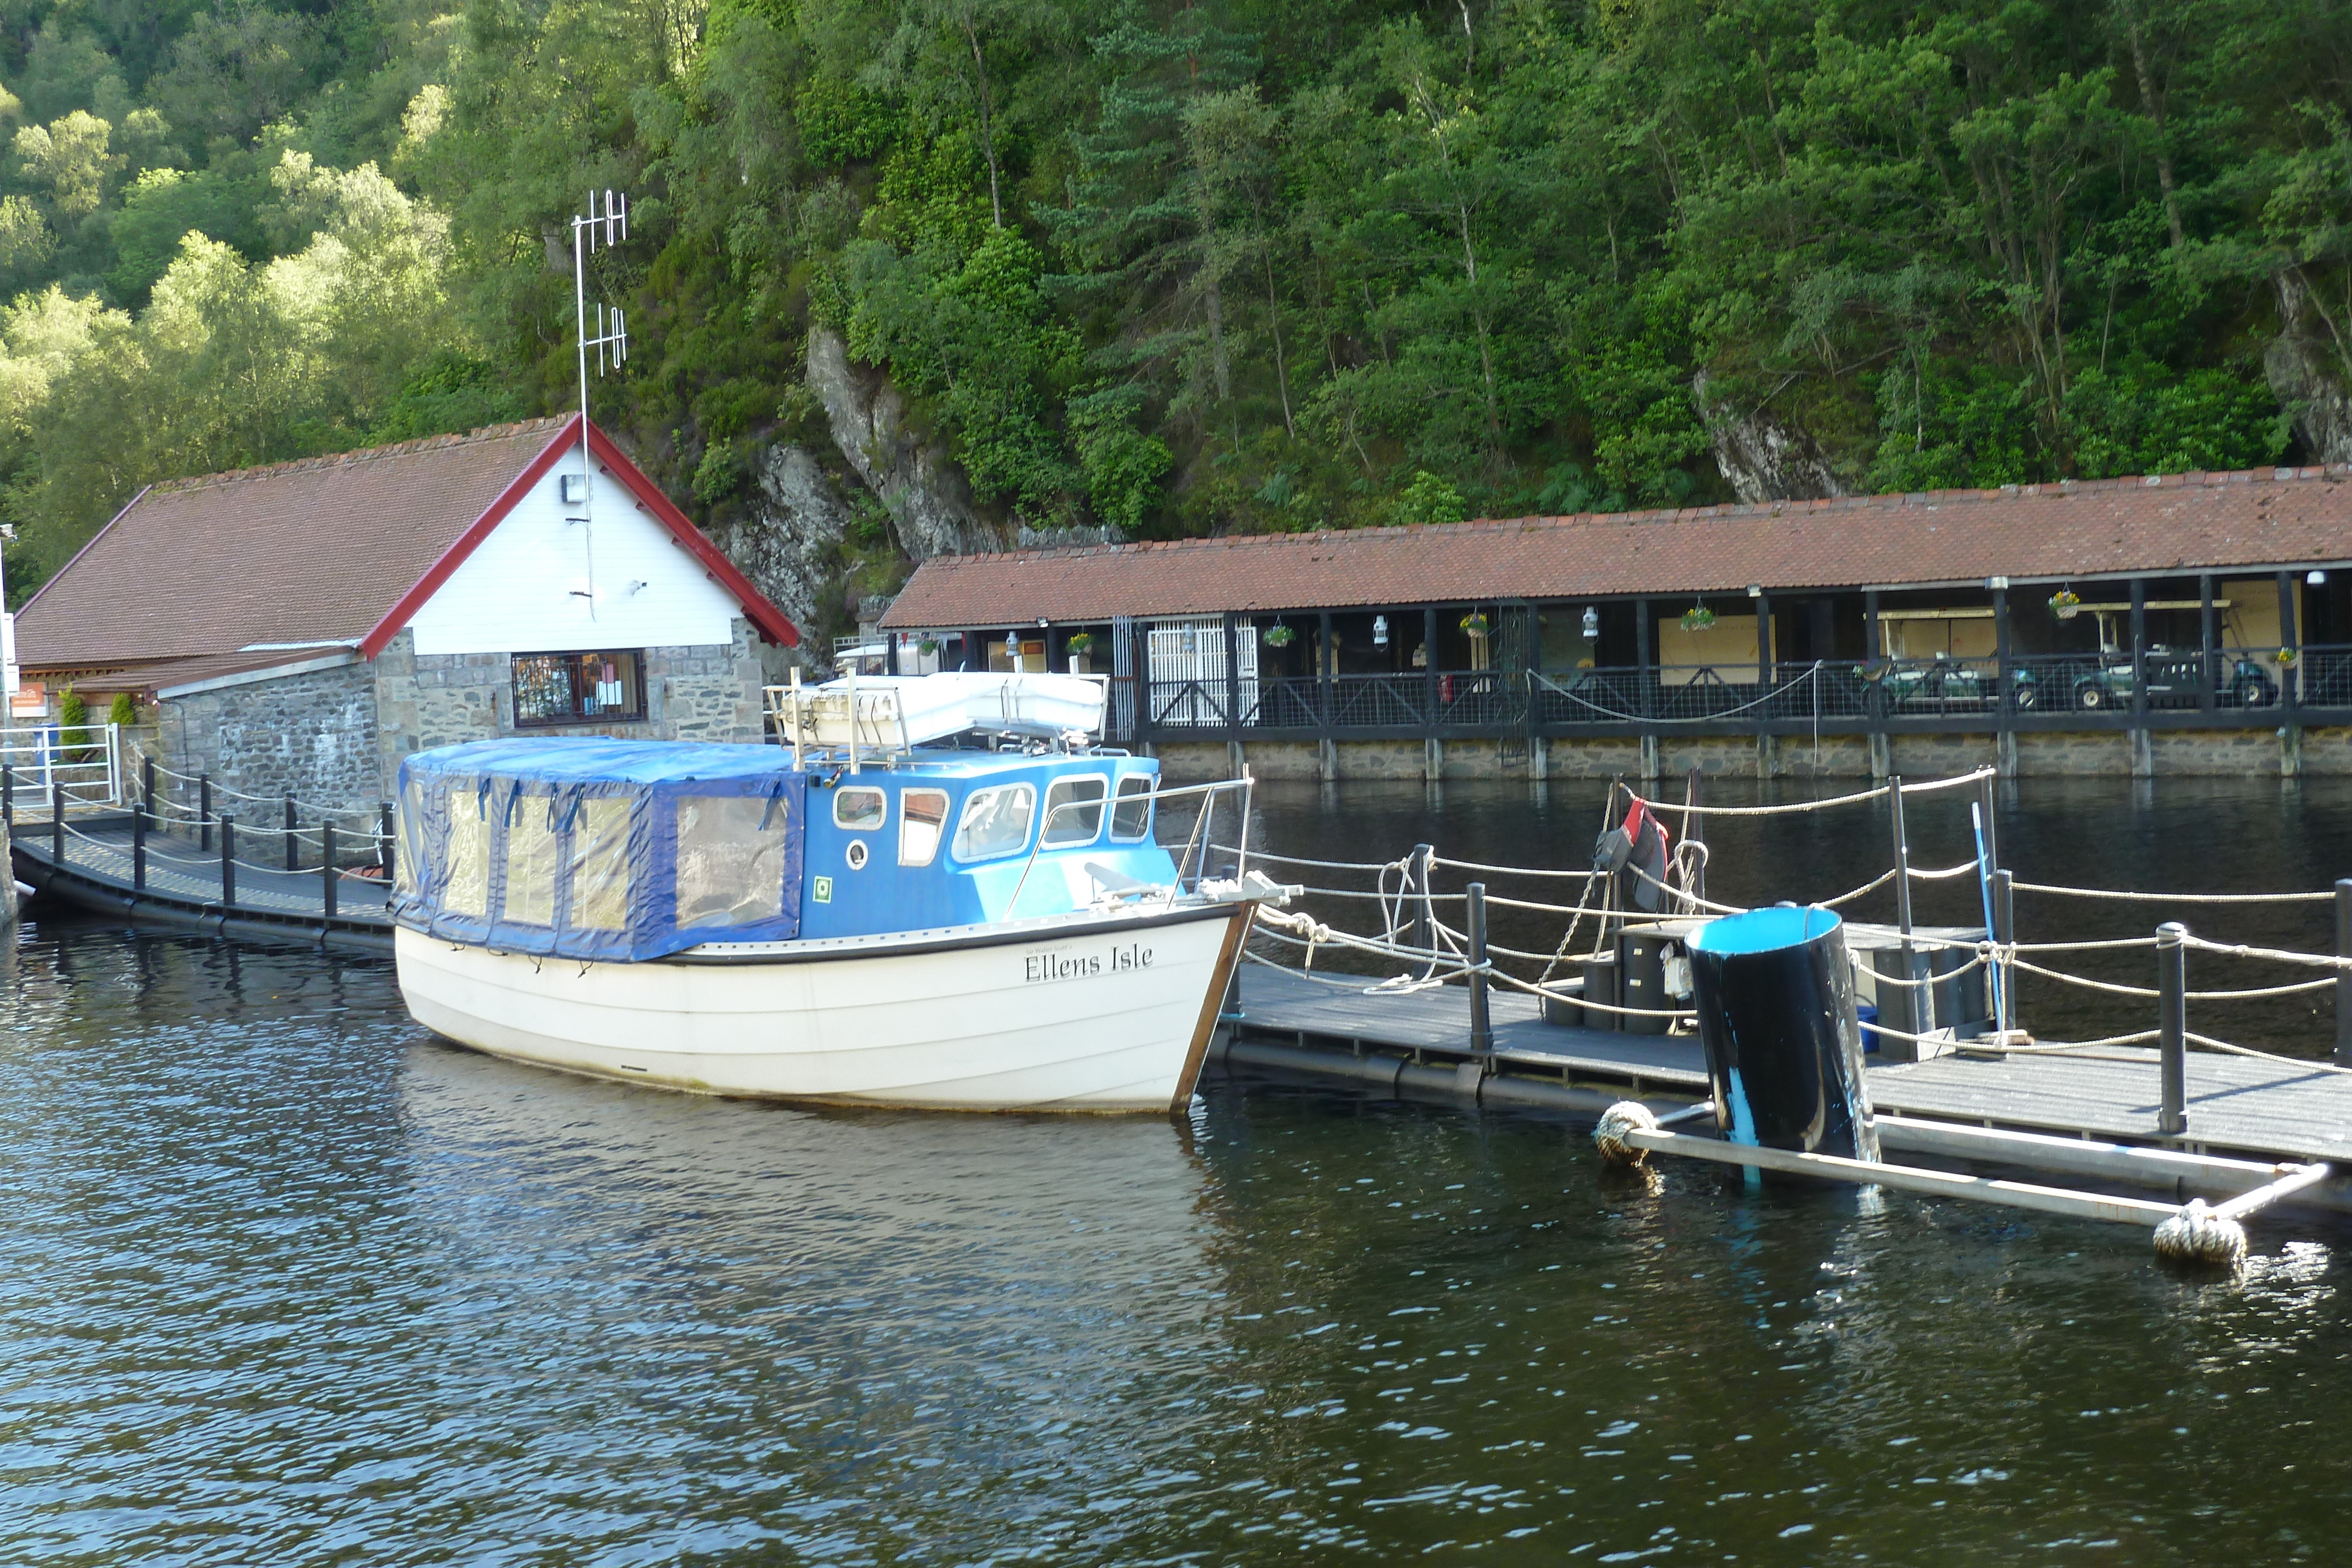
(918, 483)
(1761, 457)
(789, 542)
(2304, 366)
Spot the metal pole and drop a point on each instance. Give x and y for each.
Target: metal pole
(1482, 1032)
(203, 810)
(1920, 999)
(326, 868)
(2344, 976)
(139, 847)
(290, 848)
(56, 819)
(2005, 915)
(7, 794)
(384, 848)
(2172, 1026)
(228, 861)
(147, 783)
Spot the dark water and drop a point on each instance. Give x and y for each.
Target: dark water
(283, 1281)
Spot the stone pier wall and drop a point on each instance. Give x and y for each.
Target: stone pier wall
(2241, 753)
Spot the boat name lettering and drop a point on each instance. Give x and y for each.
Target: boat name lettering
(1042, 966)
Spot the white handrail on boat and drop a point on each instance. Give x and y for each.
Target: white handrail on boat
(1194, 840)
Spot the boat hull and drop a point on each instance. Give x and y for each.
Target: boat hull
(1097, 1013)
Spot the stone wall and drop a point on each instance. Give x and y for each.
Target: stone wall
(707, 693)
(313, 736)
(2246, 753)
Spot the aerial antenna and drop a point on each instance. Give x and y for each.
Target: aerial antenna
(610, 343)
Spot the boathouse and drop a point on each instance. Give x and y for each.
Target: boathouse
(296, 630)
(2197, 622)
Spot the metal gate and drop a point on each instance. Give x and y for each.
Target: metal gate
(1188, 675)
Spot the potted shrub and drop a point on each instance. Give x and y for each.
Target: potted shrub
(1080, 645)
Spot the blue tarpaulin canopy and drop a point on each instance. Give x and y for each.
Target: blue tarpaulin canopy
(590, 848)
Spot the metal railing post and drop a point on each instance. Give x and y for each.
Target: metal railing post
(2005, 915)
(203, 810)
(7, 794)
(2344, 976)
(384, 851)
(147, 783)
(2172, 1026)
(138, 846)
(327, 867)
(1922, 1001)
(56, 819)
(1482, 1032)
(228, 861)
(291, 849)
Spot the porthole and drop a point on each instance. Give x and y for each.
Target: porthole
(856, 855)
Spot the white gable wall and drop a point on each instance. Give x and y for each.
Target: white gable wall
(521, 591)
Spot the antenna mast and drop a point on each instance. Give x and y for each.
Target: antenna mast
(611, 337)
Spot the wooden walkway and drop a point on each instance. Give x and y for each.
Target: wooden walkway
(2237, 1105)
(183, 885)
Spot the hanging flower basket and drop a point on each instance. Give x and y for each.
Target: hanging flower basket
(1280, 636)
(1474, 624)
(2064, 602)
(2285, 658)
(1697, 618)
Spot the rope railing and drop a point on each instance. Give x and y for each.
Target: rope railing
(2123, 895)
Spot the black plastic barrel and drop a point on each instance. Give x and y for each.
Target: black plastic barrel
(1641, 963)
(1776, 1013)
(1600, 985)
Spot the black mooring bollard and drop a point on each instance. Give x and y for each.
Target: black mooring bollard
(1482, 1029)
(327, 867)
(228, 861)
(1774, 992)
(2172, 1026)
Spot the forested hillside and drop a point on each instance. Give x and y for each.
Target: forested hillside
(911, 274)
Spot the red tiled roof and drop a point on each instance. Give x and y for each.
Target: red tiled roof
(323, 551)
(2177, 523)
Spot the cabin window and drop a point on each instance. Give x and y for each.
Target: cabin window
(600, 865)
(1132, 818)
(466, 873)
(605, 687)
(730, 859)
(922, 822)
(1074, 810)
(860, 809)
(995, 821)
(531, 844)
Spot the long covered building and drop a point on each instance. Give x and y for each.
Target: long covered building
(2198, 622)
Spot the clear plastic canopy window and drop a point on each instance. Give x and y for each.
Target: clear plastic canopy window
(587, 848)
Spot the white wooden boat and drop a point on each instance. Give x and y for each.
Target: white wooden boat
(953, 929)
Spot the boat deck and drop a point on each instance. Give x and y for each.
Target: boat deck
(2238, 1106)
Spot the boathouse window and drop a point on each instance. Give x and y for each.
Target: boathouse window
(531, 844)
(922, 822)
(1074, 810)
(860, 809)
(995, 821)
(1132, 818)
(730, 859)
(600, 865)
(604, 687)
(466, 871)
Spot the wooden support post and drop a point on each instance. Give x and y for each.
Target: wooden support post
(293, 849)
(228, 861)
(2172, 1027)
(327, 867)
(2005, 698)
(203, 810)
(1641, 660)
(1429, 665)
(1233, 675)
(139, 846)
(2344, 976)
(2290, 639)
(1482, 1032)
(1326, 669)
(2208, 675)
